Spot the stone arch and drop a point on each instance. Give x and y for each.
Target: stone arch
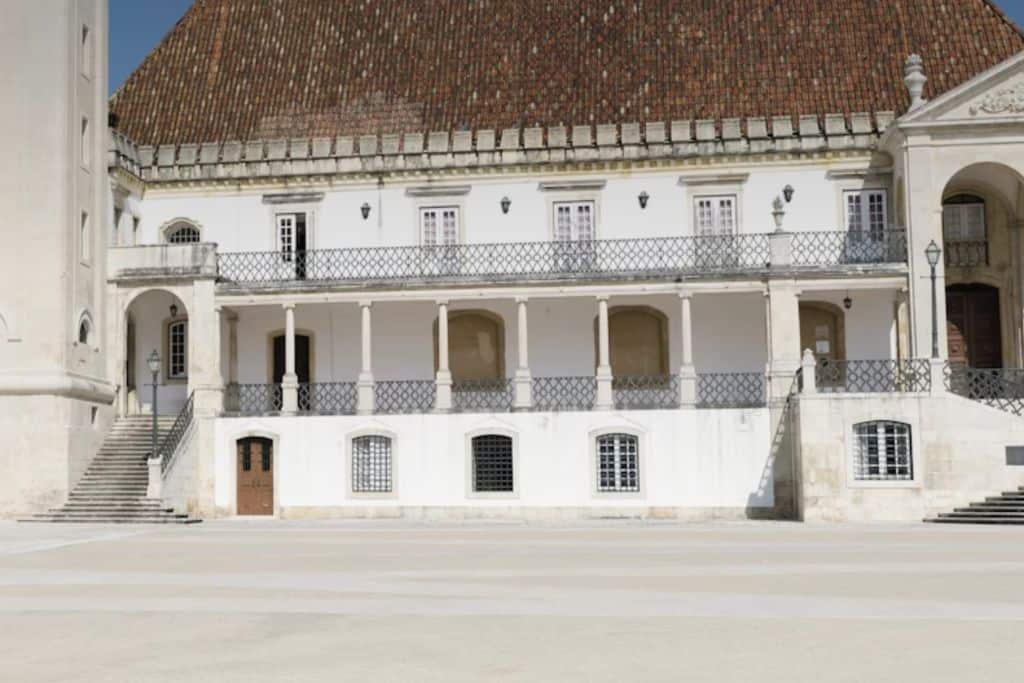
(637, 341)
(476, 345)
(143, 328)
(181, 231)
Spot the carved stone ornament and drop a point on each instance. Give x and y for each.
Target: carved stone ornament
(1008, 100)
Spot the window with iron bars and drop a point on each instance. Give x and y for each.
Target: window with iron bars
(618, 463)
(493, 464)
(882, 451)
(182, 233)
(371, 464)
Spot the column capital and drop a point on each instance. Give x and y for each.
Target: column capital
(602, 297)
(441, 302)
(522, 299)
(365, 303)
(290, 306)
(685, 293)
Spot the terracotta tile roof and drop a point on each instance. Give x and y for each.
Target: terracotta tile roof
(248, 69)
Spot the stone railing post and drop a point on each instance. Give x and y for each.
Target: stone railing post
(937, 367)
(155, 485)
(808, 368)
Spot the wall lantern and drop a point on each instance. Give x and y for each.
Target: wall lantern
(787, 192)
(153, 362)
(505, 204)
(643, 197)
(174, 310)
(847, 302)
(365, 210)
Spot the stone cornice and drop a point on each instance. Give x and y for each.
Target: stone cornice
(484, 149)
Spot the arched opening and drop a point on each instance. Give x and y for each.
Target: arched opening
(303, 363)
(254, 481)
(156, 320)
(964, 231)
(84, 331)
(637, 341)
(476, 346)
(182, 232)
(973, 325)
(823, 331)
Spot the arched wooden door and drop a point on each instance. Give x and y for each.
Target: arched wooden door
(255, 476)
(973, 325)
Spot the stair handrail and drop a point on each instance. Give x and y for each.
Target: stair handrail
(169, 446)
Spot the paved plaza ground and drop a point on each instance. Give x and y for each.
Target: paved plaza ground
(374, 601)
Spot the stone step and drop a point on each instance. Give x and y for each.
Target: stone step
(977, 520)
(966, 513)
(991, 508)
(112, 519)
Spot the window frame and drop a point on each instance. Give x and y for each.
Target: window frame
(421, 212)
(854, 456)
(169, 377)
(595, 461)
(979, 202)
(864, 194)
(717, 230)
(177, 226)
(471, 491)
(350, 458)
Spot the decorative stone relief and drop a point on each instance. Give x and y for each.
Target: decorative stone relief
(1005, 101)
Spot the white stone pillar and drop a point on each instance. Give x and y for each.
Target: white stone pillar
(155, 483)
(365, 396)
(523, 386)
(783, 337)
(808, 368)
(443, 397)
(687, 372)
(902, 325)
(605, 398)
(232, 348)
(290, 381)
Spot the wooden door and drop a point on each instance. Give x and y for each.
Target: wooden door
(255, 494)
(973, 325)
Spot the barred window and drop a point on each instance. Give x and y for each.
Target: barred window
(618, 463)
(182, 233)
(371, 464)
(883, 451)
(492, 464)
(177, 345)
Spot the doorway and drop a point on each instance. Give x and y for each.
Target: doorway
(973, 325)
(822, 330)
(255, 476)
(302, 365)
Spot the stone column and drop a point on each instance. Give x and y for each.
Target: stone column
(290, 381)
(207, 382)
(365, 397)
(605, 399)
(783, 328)
(232, 348)
(902, 326)
(443, 398)
(687, 372)
(523, 380)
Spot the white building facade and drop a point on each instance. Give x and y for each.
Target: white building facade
(680, 319)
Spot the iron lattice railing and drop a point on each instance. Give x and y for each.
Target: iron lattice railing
(405, 396)
(873, 376)
(730, 390)
(564, 393)
(1001, 388)
(498, 262)
(645, 392)
(966, 254)
(489, 395)
(252, 399)
(327, 398)
(168, 448)
(849, 248)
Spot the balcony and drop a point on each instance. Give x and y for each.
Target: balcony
(966, 254)
(598, 260)
(158, 261)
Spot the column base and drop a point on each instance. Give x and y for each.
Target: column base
(523, 387)
(365, 397)
(687, 387)
(605, 399)
(443, 395)
(290, 394)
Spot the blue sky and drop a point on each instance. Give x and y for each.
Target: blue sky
(136, 26)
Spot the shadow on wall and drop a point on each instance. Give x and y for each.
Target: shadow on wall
(778, 475)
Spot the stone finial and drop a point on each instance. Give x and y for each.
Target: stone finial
(778, 212)
(914, 78)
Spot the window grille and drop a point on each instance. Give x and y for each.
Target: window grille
(177, 344)
(371, 464)
(883, 451)
(618, 463)
(866, 214)
(182, 233)
(492, 464)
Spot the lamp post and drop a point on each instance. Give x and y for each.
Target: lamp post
(154, 367)
(932, 253)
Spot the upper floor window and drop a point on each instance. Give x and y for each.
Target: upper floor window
(177, 349)
(963, 219)
(84, 330)
(866, 212)
(574, 221)
(439, 225)
(618, 463)
(715, 215)
(182, 233)
(882, 451)
(371, 464)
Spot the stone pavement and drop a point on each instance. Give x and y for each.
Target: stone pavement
(386, 601)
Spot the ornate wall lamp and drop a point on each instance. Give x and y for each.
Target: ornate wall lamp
(506, 203)
(643, 198)
(365, 210)
(787, 192)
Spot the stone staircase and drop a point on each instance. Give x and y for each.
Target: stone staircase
(113, 488)
(1007, 508)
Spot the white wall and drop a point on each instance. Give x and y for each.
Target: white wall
(700, 459)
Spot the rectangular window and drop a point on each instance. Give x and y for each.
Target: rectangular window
(963, 222)
(715, 215)
(177, 345)
(866, 214)
(492, 464)
(86, 146)
(574, 221)
(883, 452)
(439, 226)
(618, 463)
(371, 464)
(84, 238)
